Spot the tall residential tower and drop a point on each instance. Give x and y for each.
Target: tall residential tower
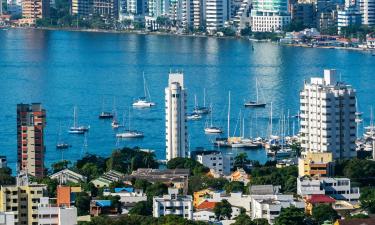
(328, 109)
(175, 117)
(31, 120)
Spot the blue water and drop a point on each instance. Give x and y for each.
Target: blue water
(62, 69)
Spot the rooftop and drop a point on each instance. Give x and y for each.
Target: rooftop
(206, 205)
(320, 198)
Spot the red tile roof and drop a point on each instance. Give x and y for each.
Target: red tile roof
(206, 205)
(320, 199)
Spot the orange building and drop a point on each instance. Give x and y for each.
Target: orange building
(66, 195)
(35, 9)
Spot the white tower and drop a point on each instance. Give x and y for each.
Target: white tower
(175, 117)
(328, 111)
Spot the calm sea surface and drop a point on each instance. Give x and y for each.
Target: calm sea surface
(63, 69)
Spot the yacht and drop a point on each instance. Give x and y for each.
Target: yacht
(201, 109)
(211, 129)
(62, 145)
(75, 129)
(105, 115)
(143, 102)
(257, 103)
(130, 133)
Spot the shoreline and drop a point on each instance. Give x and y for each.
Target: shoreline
(139, 32)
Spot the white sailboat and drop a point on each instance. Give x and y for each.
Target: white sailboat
(76, 129)
(130, 133)
(212, 129)
(194, 116)
(144, 102)
(60, 143)
(257, 103)
(201, 109)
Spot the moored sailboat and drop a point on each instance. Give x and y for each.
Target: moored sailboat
(145, 101)
(257, 103)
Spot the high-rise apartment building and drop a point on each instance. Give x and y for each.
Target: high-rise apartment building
(217, 13)
(269, 15)
(367, 8)
(106, 8)
(31, 120)
(350, 16)
(35, 9)
(175, 119)
(82, 7)
(328, 109)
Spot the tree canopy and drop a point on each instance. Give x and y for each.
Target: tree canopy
(290, 216)
(321, 213)
(223, 210)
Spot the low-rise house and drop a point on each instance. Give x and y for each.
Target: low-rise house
(264, 189)
(102, 207)
(370, 42)
(367, 221)
(315, 200)
(269, 206)
(67, 175)
(201, 196)
(129, 196)
(107, 178)
(50, 213)
(337, 188)
(176, 178)
(316, 164)
(240, 175)
(216, 160)
(66, 195)
(205, 212)
(173, 204)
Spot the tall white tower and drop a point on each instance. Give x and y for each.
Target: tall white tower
(175, 117)
(328, 111)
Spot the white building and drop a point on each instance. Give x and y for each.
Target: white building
(173, 204)
(50, 214)
(7, 218)
(370, 43)
(175, 117)
(328, 109)
(269, 15)
(337, 188)
(221, 163)
(216, 14)
(67, 175)
(204, 215)
(367, 8)
(269, 206)
(237, 200)
(128, 197)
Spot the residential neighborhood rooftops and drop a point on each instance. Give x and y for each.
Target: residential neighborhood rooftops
(320, 198)
(368, 221)
(206, 205)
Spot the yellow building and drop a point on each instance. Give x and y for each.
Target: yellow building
(240, 175)
(22, 201)
(201, 196)
(316, 164)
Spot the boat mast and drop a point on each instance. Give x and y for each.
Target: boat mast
(211, 114)
(195, 101)
(271, 121)
(144, 85)
(74, 117)
(228, 115)
(256, 86)
(204, 97)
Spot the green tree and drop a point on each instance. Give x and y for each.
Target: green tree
(6, 177)
(141, 184)
(61, 165)
(223, 210)
(234, 186)
(143, 208)
(290, 216)
(195, 167)
(156, 189)
(241, 160)
(82, 203)
(367, 199)
(321, 213)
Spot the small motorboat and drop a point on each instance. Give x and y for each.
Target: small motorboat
(130, 134)
(194, 116)
(105, 115)
(213, 130)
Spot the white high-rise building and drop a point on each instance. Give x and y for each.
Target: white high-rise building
(216, 14)
(367, 8)
(328, 109)
(175, 117)
(269, 15)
